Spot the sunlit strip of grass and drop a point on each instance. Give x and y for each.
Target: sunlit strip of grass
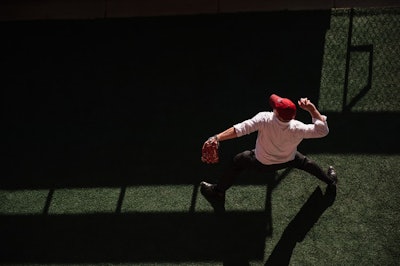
(22, 201)
(160, 198)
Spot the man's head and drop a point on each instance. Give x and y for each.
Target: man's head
(285, 108)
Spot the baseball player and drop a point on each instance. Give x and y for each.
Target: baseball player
(279, 134)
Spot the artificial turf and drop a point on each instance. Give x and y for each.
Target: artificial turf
(91, 177)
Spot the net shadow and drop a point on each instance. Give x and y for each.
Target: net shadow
(132, 237)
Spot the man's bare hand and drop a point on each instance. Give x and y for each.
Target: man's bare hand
(306, 104)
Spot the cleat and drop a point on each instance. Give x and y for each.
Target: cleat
(210, 191)
(332, 175)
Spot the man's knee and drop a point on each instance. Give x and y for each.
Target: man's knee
(302, 162)
(242, 159)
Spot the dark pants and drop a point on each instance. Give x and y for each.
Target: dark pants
(247, 160)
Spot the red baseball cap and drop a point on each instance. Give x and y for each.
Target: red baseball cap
(285, 107)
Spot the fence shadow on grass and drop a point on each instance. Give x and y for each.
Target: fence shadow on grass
(132, 237)
(228, 236)
(352, 133)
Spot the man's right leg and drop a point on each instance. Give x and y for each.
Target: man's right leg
(240, 162)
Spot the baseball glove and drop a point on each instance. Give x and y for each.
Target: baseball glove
(209, 151)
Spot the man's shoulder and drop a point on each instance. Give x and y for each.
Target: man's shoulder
(266, 114)
(297, 124)
(263, 116)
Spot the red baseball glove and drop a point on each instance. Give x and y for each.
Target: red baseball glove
(209, 151)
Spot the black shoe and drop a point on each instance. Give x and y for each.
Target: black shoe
(210, 191)
(332, 175)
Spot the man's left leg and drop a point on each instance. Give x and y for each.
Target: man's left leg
(303, 163)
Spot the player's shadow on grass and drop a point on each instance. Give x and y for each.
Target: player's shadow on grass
(301, 224)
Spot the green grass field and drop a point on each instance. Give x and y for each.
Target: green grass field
(54, 213)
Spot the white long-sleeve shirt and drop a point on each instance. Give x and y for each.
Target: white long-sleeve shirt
(277, 141)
